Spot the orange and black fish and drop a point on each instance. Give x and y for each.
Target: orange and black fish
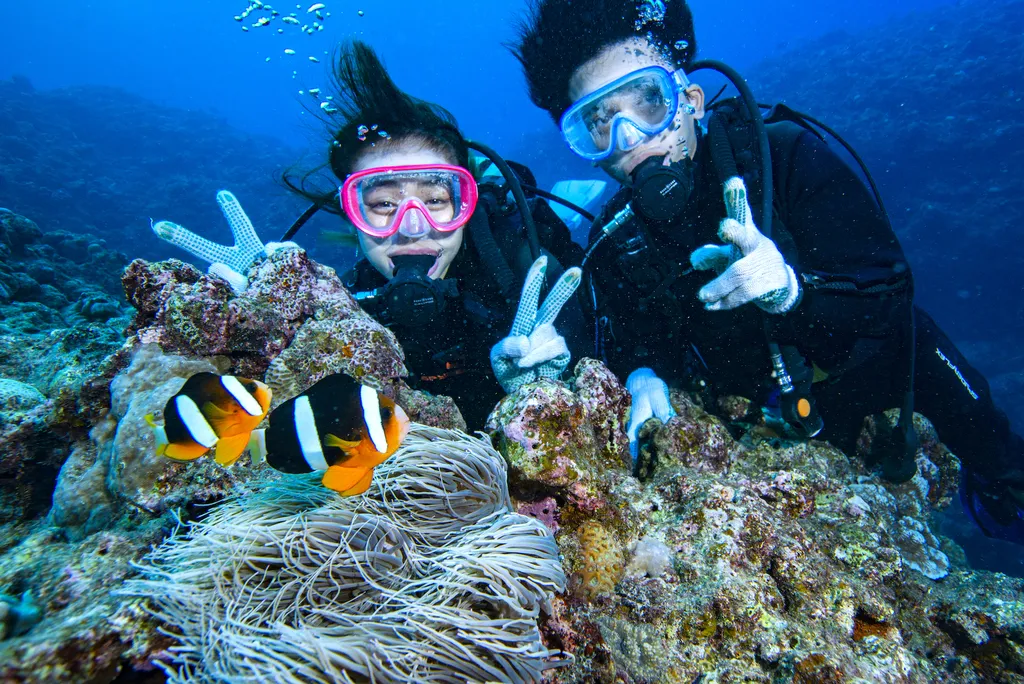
(211, 411)
(337, 426)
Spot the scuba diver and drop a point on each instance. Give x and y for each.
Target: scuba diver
(745, 257)
(443, 256)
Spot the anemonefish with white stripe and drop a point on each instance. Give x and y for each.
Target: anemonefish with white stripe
(211, 411)
(337, 426)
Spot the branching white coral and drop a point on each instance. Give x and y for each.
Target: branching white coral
(428, 577)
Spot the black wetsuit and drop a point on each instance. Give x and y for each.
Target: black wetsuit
(451, 355)
(850, 323)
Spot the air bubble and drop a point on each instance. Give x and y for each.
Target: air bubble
(650, 11)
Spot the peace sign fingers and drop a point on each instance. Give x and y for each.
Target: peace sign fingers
(561, 293)
(526, 314)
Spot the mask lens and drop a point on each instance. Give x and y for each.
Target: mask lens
(646, 99)
(415, 199)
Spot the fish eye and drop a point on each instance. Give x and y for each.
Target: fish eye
(250, 386)
(385, 414)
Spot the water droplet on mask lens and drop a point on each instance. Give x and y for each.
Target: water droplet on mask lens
(373, 127)
(384, 134)
(361, 132)
(682, 44)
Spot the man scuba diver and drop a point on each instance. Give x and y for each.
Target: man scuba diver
(444, 257)
(750, 259)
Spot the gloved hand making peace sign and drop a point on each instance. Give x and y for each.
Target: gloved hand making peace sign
(750, 266)
(534, 349)
(230, 263)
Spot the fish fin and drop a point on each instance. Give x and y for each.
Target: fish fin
(223, 422)
(159, 435)
(257, 446)
(343, 444)
(182, 452)
(230, 448)
(342, 479)
(360, 486)
(212, 411)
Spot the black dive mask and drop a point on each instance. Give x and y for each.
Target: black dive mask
(660, 192)
(411, 298)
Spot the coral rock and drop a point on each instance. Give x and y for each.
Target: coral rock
(17, 232)
(119, 461)
(290, 300)
(357, 346)
(16, 398)
(423, 407)
(692, 438)
(607, 403)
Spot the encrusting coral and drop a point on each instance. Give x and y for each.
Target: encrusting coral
(600, 559)
(430, 576)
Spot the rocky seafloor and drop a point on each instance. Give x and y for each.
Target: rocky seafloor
(736, 556)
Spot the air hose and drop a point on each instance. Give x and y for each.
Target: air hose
(517, 193)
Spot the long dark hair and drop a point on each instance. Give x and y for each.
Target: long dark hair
(365, 95)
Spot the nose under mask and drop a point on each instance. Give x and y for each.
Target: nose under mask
(628, 136)
(414, 224)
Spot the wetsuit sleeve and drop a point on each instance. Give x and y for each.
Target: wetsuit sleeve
(854, 277)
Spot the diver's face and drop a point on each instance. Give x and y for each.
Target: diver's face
(442, 246)
(613, 63)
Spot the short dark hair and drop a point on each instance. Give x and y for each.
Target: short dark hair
(557, 37)
(365, 95)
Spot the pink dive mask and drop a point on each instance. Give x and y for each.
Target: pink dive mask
(412, 200)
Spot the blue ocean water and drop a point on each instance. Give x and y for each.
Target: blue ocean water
(192, 56)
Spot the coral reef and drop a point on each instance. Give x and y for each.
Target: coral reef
(73, 440)
(61, 315)
(651, 557)
(69, 159)
(119, 461)
(83, 631)
(55, 279)
(17, 615)
(751, 560)
(429, 575)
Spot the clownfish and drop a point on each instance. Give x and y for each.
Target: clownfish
(211, 411)
(339, 427)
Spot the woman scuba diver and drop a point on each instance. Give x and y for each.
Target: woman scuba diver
(442, 259)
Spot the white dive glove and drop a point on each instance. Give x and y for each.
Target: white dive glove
(750, 267)
(230, 263)
(534, 349)
(650, 400)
